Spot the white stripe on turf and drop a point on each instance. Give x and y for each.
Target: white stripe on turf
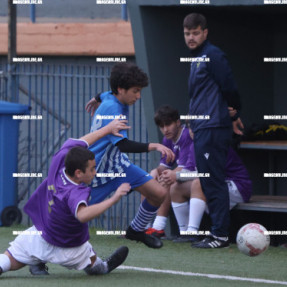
(213, 276)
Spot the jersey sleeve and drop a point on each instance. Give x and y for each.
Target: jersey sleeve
(107, 112)
(77, 197)
(70, 143)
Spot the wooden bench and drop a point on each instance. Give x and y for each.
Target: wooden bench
(265, 203)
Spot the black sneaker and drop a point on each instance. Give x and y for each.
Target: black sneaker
(40, 269)
(117, 258)
(211, 242)
(188, 238)
(148, 240)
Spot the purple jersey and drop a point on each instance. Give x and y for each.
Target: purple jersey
(190, 162)
(53, 206)
(234, 170)
(180, 149)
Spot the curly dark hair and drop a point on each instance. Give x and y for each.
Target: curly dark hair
(126, 76)
(165, 115)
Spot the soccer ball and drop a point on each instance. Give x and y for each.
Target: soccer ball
(252, 239)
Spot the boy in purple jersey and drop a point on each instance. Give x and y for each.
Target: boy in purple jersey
(126, 81)
(60, 213)
(177, 138)
(189, 202)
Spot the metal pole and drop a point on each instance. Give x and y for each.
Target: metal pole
(12, 45)
(33, 13)
(124, 12)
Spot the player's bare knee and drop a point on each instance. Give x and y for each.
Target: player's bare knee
(158, 196)
(154, 173)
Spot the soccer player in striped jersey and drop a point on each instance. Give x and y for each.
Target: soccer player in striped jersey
(126, 81)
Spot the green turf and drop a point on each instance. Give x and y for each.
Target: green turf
(179, 257)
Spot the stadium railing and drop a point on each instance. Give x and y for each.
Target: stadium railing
(57, 95)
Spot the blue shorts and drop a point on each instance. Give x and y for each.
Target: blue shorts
(135, 176)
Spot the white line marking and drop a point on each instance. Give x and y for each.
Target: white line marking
(214, 276)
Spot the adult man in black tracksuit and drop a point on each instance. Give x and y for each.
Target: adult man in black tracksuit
(213, 94)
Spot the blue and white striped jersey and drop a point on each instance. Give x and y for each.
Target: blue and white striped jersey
(109, 159)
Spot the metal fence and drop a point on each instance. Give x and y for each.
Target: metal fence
(58, 94)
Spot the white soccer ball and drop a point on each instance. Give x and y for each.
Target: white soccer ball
(252, 239)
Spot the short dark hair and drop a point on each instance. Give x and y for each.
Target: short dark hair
(193, 20)
(77, 158)
(126, 76)
(166, 115)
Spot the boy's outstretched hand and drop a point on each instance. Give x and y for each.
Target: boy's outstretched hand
(165, 151)
(116, 125)
(92, 106)
(122, 190)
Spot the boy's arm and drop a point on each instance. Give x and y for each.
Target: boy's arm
(93, 104)
(156, 173)
(169, 176)
(220, 70)
(87, 213)
(112, 128)
(165, 151)
(161, 168)
(126, 145)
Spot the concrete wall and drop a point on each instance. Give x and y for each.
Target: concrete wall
(70, 39)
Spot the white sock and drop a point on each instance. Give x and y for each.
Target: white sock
(5, 263)
(159, 222)
(99, 267)
(181, 211)
(196, 210)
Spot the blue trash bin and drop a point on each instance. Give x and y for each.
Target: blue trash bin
(9, 132)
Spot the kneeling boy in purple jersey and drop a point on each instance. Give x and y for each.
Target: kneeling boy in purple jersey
(60, 213)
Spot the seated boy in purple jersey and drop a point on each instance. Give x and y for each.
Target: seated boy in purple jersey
(60, 213)
(189, 202)
(177, 138)
(126, 81)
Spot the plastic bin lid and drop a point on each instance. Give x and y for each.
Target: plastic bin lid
(13, 108)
